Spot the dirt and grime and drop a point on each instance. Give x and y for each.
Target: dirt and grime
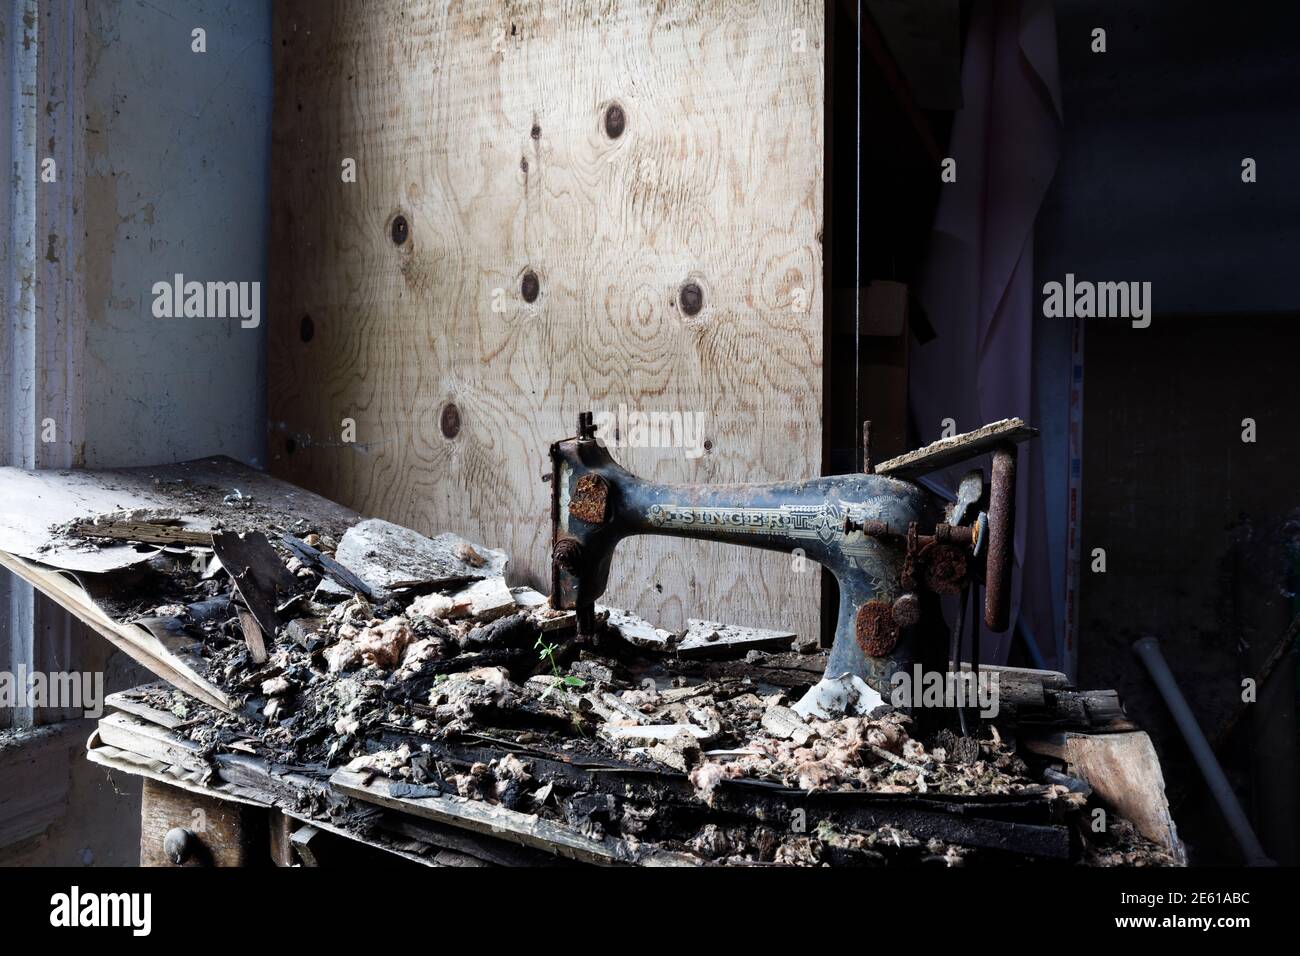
(462, 685)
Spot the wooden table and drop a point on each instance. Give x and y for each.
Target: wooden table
(241, 810)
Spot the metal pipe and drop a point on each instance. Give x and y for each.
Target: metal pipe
(1148, 648)
(1031, 645)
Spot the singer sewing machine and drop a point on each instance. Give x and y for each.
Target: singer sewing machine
(893, 545)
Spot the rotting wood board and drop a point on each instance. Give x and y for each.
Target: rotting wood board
(1124, 771)
(36, 502)
(526, 829)
(955, 448)
(166, 659)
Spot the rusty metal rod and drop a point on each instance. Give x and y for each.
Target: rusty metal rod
(960, 535)
(1002, 530)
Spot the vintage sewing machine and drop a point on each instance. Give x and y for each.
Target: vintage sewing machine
(893, 545)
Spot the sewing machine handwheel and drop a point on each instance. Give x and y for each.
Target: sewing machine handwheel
(1001, 544)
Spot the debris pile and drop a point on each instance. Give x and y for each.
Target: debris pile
(409, 664)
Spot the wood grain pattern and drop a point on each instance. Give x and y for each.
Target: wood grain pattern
(482, 124)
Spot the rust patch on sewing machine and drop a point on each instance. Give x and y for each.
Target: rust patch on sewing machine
(876, 630)
(945, 568)
(567, 555)
(907, 610)
(590, 501)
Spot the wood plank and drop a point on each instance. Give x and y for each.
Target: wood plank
(285, 787)
(1027, 676)
(149, 740)
(338, 831)
(1021, 686)
(792, 671)
(711, 638)
(482, 125)
(1124, 771)
(523, 828)
(489, 851)
(168, 662)
(260, 577)
(38, 502)
(637, 630)
(100, 753)
(133, 702)
(949, 451)
(254, 639)
(149, 533)
(301, 840)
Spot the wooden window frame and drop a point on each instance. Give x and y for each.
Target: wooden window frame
(42, 295)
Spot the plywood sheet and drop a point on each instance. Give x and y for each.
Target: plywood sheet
(483, 126)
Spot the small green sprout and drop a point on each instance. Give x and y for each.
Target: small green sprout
(546, 652)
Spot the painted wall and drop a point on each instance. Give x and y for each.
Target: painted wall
(177, 152)
(177, 148)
